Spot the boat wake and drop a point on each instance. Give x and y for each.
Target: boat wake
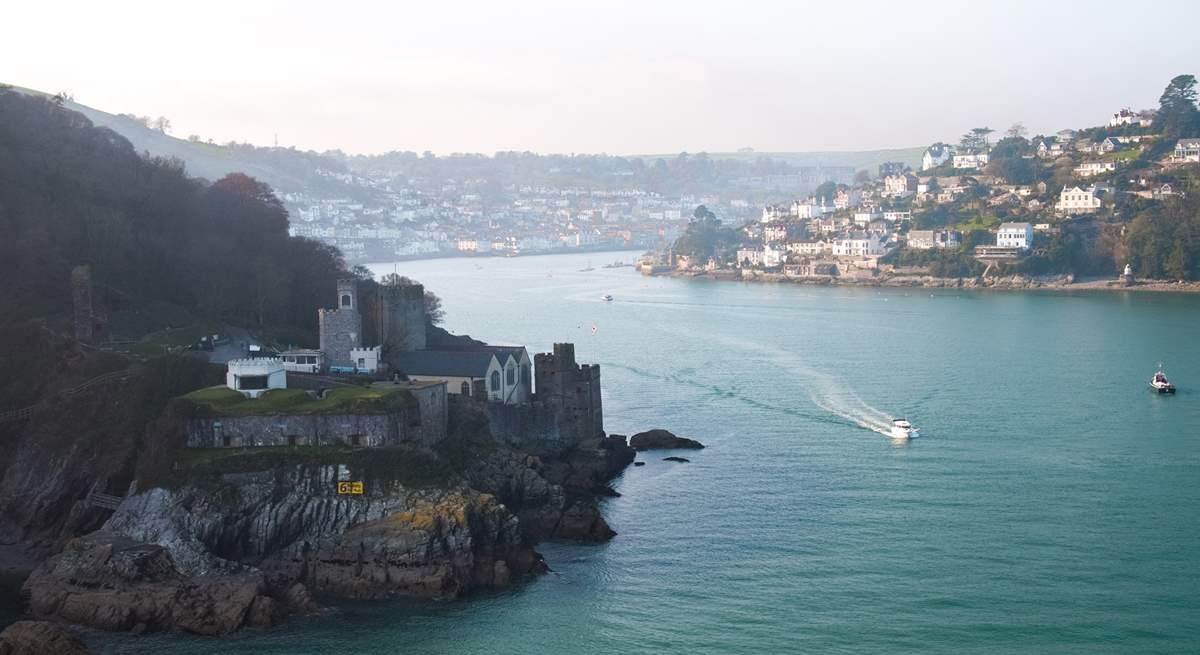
(827, 392)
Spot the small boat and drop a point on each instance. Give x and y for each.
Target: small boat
(902, 429)
(606, 298)
(1159, 382)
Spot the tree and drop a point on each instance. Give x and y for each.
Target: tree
(1017, 131)
(1178, 116)
(976, 139)
(862, 177)
(162, 124)
(826, 191)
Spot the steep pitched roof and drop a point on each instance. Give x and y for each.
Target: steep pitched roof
(465, 363)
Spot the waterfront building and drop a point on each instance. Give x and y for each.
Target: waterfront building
(1015, 235)
(501, 374)
(930, 239)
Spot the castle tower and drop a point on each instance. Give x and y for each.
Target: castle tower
(402, 318)
(341, 328)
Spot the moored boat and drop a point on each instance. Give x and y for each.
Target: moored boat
(606, 298)
(1160, 384)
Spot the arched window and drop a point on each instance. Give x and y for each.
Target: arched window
(496, 381)
(466, 388)
(345, 300)
(525, 374)
(511, 374)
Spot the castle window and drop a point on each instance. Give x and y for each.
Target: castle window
(345, 300)
(511, 374)
(293, 440)
(495, 381)
(525, 374)
(466, 389)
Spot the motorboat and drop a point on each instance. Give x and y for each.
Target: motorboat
(902, 429)
(1160, 384)
(606, 298)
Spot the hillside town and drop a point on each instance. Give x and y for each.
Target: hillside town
(400, 211)
(1078, 201)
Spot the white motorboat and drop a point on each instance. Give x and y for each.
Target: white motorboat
(1160, 384)
(606, 298)
(902, 429)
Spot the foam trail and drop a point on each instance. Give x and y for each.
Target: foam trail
(824, 390)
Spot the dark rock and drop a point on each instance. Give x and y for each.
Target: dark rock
(662, 440)
(112, 582)
(265, 612)
(583, 521)
(639, 463)
(676, 459)
(39, 638)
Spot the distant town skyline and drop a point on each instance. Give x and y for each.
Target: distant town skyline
(618, 77)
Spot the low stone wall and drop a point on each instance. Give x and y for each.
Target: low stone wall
(370, 430)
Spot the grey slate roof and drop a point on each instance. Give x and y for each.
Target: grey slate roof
(452, 363)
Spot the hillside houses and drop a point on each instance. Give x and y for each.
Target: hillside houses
(1093, 168)
(936, 155)
(1186, 151)
(1077, 200)
(971, 160)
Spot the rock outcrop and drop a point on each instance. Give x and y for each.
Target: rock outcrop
(662, 440)
(39, 638)
(111, 582)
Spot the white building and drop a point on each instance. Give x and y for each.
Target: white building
(253, 377)
(897, 216)
(971, 161)
(935, 156)
(865, 216)
(749, 257)
(847, 198)
(366, 360)
(930, 239)
(809, 248)
(1015, 235)
(1088, 169)
(1123, 117)
(807, 210)
(303, 360)
(859, 244)
(500, 374)
(1186, 150)
(1076, 200)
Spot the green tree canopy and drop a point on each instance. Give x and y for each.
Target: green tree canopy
(1177, 114)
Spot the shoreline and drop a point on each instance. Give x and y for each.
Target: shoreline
(1056, 283)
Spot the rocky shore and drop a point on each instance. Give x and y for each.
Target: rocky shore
(1006, 282)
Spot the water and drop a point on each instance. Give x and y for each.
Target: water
(1051, 505)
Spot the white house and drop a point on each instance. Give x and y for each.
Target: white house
(773, 213)
(1123, 117)
(750, 257)
(809, 210)
(866, 215)
(1088, 169)
(897, 216)
(772, 257)
(303, 360)
(929, 239)
(253, 377)
(936, 155)
(1076, 200)
(775, 231)
(971, 161)
(1186, 150)
(859, 244)
(1015, 235)
(809, 248)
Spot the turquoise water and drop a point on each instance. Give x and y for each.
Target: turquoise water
(1051, 506)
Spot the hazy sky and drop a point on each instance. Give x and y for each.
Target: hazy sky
(616, 77)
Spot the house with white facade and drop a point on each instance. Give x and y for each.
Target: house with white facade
(930, 239)
(1186, 151)
(1077, 200)
(1015, 235)
(847, 198)
(866, 215)
(1123, 117)
(809, 248)
(1091, 168)
(303, 360)
(971, 161)
(775, 231)
(936, 155)
(897, 216)
(859, 244)
(750, 257)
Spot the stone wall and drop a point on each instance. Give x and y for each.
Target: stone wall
(422, 423)
(341, 328)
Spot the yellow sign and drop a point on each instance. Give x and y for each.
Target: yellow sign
(355, 488)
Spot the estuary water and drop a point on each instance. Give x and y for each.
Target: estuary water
(1051, 505)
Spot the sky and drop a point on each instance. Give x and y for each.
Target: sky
(642, 77)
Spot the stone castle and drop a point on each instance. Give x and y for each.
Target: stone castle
(399, 319)
(571, 390)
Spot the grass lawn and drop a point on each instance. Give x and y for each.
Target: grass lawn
(1121, 155)
(223, 401)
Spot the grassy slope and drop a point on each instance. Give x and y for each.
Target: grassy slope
(222, 401)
